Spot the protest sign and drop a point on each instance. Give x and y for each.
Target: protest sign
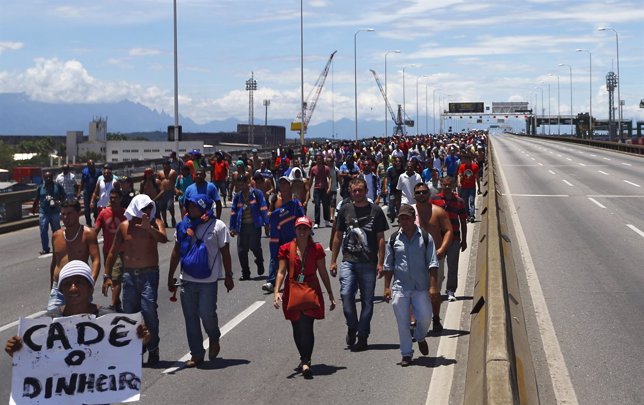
(77, 359)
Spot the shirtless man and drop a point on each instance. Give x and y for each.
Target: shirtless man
(136, 239)
(435, 221)
(165, 198)
(73, 242)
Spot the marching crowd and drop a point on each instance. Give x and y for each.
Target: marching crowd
(426, 184)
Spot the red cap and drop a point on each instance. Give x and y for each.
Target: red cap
(306, 221)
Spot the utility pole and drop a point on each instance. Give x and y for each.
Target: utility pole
(266, 103)
(251, 86)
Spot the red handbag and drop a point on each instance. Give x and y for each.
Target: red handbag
(301, 297)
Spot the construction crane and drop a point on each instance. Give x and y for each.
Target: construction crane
(314, 95)
(396, 118)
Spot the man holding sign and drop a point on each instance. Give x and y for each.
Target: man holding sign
(77, 357)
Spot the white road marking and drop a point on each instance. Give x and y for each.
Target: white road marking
(597, 202)
(569, 159)
(559, 154)
(537, 195)
(561, 383)
(615, 196)
(15, 323)
(606, 158)
(551, 172)
(540, 164)
(533, 158)
(179, 364)
(45, 256)
(627, 164)
(440, 385)
(634, 229)
(581, 164)
(604, 173)
(568, 183)
(593, 155)
(632, 184)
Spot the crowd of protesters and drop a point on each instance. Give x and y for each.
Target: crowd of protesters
(402, 178)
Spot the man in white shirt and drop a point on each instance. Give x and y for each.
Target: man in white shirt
(406, 183)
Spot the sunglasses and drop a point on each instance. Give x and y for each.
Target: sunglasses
(421, 192)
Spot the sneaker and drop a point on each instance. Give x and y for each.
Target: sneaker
(306, 371)
(351, 337)
(44, 252)
(327, 224)
(437, 327)
(153, 357)
(260, 271)
(450, 296)
(361, 345)
(244, 277)
(213, 350)
(422, 346)
(472, 219)
(316, 226)
(268, 287)
(406, 361)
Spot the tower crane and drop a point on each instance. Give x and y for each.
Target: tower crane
(314, 95)
(396, 118)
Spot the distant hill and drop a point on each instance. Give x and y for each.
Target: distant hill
(19, 115)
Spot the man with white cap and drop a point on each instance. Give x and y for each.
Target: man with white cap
(137, 240)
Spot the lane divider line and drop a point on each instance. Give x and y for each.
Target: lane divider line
(568, 183)
(551, 172)
(179, 364)
(540, 164)
(627, 164)
(632, 184)
(606, 158)
(15, 323)
(634, 229)
(604, 173)
(581, 164)
(597, 202)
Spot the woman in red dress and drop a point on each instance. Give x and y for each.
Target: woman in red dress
(309, 260)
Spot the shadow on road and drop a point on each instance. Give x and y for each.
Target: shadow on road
(222, 363)
(433, 362)
(449, 332)
(319, 370)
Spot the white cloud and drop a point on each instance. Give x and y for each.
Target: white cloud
(143, 52)
(10, 46)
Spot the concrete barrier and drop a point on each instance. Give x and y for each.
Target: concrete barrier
(499, 369)
(634, 149)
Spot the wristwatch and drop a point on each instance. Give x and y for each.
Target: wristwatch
(107, 277)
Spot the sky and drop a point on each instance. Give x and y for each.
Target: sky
(64, 51)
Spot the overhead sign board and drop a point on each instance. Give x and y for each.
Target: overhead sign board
(509, 107)
(461, 108)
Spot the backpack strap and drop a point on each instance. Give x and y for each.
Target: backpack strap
(392, 241)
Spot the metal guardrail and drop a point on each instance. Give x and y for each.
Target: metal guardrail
(622, 147)
(500, 368)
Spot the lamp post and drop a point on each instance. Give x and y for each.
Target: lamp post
(355, 73)
(266, 103)
(176, 84)
(434, 110)
(386, 94)
(541, 88)
(404, 111)
(426, 113)
(590, 88)
(417, 116)
(619, 80)
(302, 72)
(558, 106)
(571, 118)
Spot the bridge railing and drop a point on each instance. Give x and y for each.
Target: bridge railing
(500, 368)
(622, 147)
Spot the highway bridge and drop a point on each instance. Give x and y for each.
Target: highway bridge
(575, 218)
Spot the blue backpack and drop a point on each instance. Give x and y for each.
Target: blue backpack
(195, 263)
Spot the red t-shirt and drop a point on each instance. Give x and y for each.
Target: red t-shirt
(108, 221)
(320, 176)
(220, 170)
(315, 251)
(468, 172)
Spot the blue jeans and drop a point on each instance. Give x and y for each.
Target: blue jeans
(468, 195)
(272, 270)
(354, 276)
(140, 293)
(44, 222)
(422, 307)
(56, 298)
(199, 302)
(321, 196)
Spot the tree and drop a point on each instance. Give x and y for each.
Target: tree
(6, 156)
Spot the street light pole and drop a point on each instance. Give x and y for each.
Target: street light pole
(434, 110)
(266, 103)
(619, 80)
(176, 84)
(571, 113)
(426, 113)
(417, 116)
(404, 110)
(386, 115)
(590, 87)
(302, 72)
(355, 73)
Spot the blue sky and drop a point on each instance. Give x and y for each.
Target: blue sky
(102, 51)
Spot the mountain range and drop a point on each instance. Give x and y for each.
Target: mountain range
(19, 115)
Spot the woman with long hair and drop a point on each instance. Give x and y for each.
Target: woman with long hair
(300, 261)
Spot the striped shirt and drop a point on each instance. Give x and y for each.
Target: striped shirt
(455, 208)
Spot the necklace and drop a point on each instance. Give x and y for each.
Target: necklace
(80, 228)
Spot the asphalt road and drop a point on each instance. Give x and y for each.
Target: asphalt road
(258, 355)
(581, 212)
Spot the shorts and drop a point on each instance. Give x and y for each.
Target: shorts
(333, 197)
(117, 269)
(166, 200)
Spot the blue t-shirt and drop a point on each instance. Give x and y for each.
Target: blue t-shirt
(451, 165)
(90, 180)
(206, 188)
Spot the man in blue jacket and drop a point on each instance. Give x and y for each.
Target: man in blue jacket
(282, 227)
(247, 217)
